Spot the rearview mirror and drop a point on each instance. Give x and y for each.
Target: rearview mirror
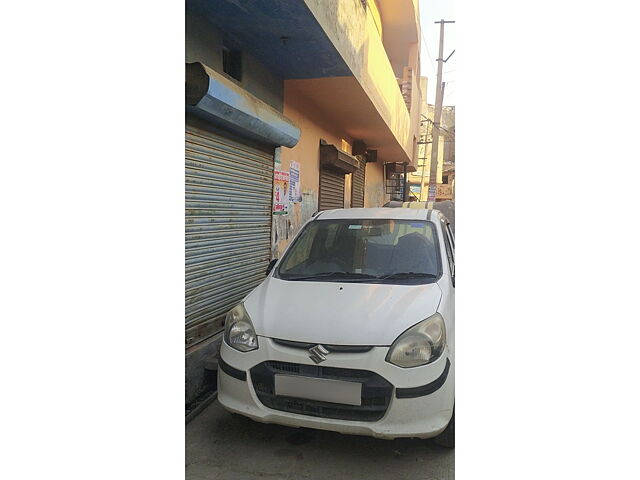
(272, 264)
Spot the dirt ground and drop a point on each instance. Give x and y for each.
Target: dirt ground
(225, 447)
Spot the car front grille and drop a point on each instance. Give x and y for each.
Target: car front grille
(331, 348)
(376, 391)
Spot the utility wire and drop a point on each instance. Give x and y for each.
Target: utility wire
(431, 62)
(430, 122)
(426, 46)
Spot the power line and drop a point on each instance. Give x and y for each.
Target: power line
(431, 62)
(426, 46)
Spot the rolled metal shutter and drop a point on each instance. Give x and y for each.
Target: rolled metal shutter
(228, 187)
(331, 188)
(357, 189)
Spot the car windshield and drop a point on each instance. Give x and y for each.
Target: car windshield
(371, 250)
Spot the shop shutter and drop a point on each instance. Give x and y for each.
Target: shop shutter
(228, 187)
(331, 188)
(357, 191)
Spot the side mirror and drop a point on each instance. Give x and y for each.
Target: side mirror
(272, 264)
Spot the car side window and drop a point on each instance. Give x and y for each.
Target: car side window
(448, 247)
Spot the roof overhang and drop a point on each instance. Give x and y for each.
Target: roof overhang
(342, 102)
(283, 35)
(218, 100)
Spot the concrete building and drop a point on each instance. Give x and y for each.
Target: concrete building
(323, 89)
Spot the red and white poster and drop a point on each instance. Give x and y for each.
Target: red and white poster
(280, 192)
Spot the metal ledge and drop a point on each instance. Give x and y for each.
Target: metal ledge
(219, 100)
(338, 159)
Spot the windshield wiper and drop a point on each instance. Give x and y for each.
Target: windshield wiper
(399, 275)
(345, 275)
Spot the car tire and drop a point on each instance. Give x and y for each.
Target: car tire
(448, 436)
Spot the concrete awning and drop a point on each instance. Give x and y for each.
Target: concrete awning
(338, 159)
(217, 99)
(399, 167)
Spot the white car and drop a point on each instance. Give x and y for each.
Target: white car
(352, 330)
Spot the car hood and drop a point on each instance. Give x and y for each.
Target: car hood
(339, 313)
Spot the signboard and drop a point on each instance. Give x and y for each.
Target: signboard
(295, 195)
(443, 191)
(280, 192)
(415, 191)
(432, 193)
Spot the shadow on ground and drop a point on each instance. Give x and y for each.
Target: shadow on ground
(222, 446)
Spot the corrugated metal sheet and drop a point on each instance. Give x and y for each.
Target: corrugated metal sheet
(357, 191)
(228, 188)
(331, 189)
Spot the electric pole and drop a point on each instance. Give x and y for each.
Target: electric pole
(424, 159)
(433, 171)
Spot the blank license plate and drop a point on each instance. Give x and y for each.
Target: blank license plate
(321, 389)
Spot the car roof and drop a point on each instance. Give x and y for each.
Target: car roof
(371, 213)
(445, 208)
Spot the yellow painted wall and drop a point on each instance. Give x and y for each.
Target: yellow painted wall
(314, 127)
(307, 153)
(374, 195)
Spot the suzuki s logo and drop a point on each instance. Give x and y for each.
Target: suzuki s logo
(318, 353)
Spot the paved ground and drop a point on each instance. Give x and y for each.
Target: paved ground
(222, 447)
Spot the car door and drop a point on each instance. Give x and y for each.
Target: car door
(447, 285)
(449, 245)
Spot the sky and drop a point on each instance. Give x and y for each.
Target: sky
(432, 11)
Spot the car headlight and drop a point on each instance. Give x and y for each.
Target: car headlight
(238, 330)
(421, 344)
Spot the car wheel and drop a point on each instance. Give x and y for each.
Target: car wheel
(447, 437)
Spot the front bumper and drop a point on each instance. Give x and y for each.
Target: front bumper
(420, 404)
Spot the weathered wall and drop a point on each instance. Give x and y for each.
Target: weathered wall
(203, 43)
(307, 153)
(344, 22)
